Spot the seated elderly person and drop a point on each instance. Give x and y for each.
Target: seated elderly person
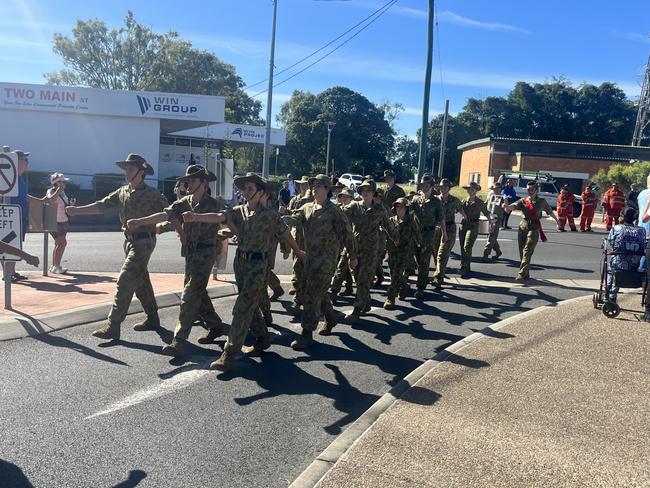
(629, 240)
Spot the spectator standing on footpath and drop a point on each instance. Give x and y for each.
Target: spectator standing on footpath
(133, 200)
(628, 239)
(511, 197)
(285, 194)
(644, 222)
(60, 202)
(632, 197)
(292, 185)
(642, 200)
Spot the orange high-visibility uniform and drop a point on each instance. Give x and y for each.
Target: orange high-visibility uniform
(565, 201)
(588, 210)
(614, 200)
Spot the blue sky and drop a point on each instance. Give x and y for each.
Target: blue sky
(482, 47)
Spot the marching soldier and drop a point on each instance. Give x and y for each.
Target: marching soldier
(472, 206)
(342, 273)
(588, 209)
(495, 205)
(381, 241)
(393, 192)
(404, 235)
(133, 200)
(613, 201)
(530, 227)
(269, 200)
(428, 212)
(442, 247)
(198, 248)
(565, 201)
(325, 228)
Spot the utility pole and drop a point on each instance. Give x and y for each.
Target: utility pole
(330, 126)
(443, 140)
(269, 98)
(643, 114)
(427, 90)
(277, 151)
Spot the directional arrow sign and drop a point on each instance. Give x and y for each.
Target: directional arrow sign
(8, 175)
(10, 231)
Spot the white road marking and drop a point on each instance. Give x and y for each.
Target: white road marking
(165, 387)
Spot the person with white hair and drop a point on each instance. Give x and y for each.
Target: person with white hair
(59, 200)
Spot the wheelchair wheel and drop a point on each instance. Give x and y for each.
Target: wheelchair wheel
(596, 299)
(644, 295)
(611, 310)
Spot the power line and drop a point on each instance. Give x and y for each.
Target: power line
(389, 5)
(326, 45)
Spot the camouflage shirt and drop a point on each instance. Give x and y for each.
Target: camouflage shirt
(134, 204)
(474, 209)
(256, 228)
(450, 208)
(405, 234)
(393, 194)
(367, 223)
(428, 212)
(196, 231)
(539, 204)
(324, 229)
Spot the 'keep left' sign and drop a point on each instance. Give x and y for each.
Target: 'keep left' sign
(10, 231)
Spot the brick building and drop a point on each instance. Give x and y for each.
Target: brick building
(572, 163)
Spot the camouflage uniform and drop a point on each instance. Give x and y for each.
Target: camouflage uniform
(393, 194)
(255, 229)
(138, 246)
(272, 280)
(325, 229)
(199, 253)
(405, 235)
(367, 223)
(430, 217)
(298, 280)
(528, 235)
(469, 230)
(496, 210)
(449, 210)
(390, 195)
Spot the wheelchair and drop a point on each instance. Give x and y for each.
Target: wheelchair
(621, 279)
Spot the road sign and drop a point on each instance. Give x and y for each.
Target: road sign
(10, 229)
(8, 175)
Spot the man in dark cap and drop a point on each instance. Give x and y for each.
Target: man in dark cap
(393, 192)
(133, 200)
(198, 248)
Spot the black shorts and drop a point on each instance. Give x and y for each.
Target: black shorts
(61, 230)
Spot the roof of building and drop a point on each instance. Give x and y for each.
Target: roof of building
(488, 140)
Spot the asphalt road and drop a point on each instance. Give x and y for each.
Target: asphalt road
(76, 413)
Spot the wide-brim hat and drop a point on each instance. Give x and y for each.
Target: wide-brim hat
(56, 177)
(389, 172)
(401, 201)
(304, 179)
(339, 186)
(473, 186)
(137, 161)
(240, 181)
(197, 171)
(346, 192)
(428, 179)
(446, 182)
(370, 184)
(322, 179)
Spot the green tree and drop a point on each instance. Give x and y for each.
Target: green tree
(134, 57)
(624, 175)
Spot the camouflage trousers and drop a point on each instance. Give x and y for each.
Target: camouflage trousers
(443, 251)
(195, 301)
(298, 280)
(342, 273)
(398, 263)
(492, 242)
(468, 235)
(423, 258)
(134, 278)
(363, 275)
(381, 254)
(317, 300)
(527, 239)
(250, 275)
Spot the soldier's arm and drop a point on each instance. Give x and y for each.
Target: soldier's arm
(349, 242)
(111, 200)
(485, 210)
(151, 220)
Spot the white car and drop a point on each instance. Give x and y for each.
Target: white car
(351, 181)
(547, 190)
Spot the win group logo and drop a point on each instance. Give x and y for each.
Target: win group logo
(145, 104)
(237, 132)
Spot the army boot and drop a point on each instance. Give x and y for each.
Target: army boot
(175, 348)
(111, 331)
(646, 315)
(224, 363)
(389, 304)
(497, 255)
(150, 323)
(261, 344)
(354, 316)
(403, 294)
(211, 334)
(304, 341)
(334, 295)
(294, 307)
(277, 293)
(348, 291)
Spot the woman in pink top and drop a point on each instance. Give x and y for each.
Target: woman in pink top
(59, 200)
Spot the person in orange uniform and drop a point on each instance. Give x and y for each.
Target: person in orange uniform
(614, 201)
(588, 209)
(565, 201)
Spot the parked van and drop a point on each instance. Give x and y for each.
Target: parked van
(547, 188)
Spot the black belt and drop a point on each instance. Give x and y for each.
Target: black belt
(252, 255)
(197, 246)
(139, 235)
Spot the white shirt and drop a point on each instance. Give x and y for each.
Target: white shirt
(61, 201)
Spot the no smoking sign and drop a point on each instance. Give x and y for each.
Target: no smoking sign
(8, 175)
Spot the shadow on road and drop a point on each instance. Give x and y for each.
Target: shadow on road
(134, 479)
(11, 476)
(58, 341)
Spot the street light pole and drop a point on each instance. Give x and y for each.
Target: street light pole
(269, 98)
(277, 151)
(427, 89)
(330, 125)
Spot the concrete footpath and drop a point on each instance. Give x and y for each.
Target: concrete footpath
(558, 396)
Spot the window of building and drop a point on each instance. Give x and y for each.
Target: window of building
(474, 177)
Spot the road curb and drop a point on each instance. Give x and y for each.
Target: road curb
(27, 326)
(327, 459)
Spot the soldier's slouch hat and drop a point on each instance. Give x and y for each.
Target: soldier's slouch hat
(304, 179)
(197, 171)
(473, 186)
(240, 181)
(370, 184)
(401, 201)
(446, 182)
(137, 161)
(322, 179)
(346, 192)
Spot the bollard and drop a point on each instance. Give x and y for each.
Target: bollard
(46, 241)
(7, 278)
